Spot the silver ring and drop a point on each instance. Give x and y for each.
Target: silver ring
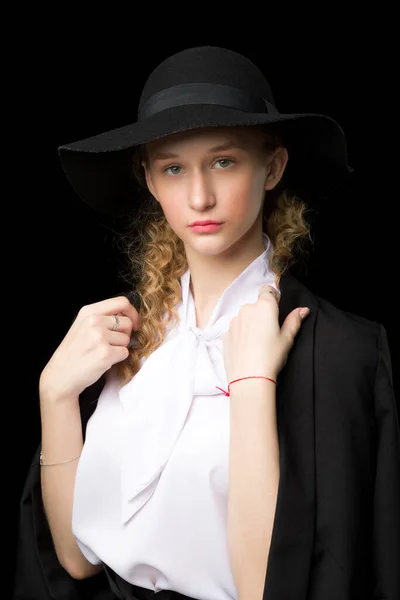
(116, 323)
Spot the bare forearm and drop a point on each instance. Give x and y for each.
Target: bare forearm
(62, 440)
(253, 483)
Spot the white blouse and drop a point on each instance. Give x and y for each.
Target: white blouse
(151, 488)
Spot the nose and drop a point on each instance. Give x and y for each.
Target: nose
(201, 192)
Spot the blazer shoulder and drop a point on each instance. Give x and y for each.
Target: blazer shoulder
(351, 345)
(349, 323)
(330, 317)
(347, 339)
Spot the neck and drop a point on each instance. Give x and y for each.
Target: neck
(211, 275)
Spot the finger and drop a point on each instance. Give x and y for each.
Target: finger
(119, 323)
(126, 309)
(119, 338)
(292, 324)
(113, 306)
(268, 291)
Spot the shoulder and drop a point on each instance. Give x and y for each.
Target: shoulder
(340, 335)
(349, 339)
(348, 323)
(329, 316)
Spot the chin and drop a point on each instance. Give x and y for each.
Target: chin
(209, 244)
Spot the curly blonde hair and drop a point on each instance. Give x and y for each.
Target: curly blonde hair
(156, 257)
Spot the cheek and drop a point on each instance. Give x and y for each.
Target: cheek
(172, 212)
(245, 192)
(171, 202)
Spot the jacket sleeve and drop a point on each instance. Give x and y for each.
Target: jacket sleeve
(38, 573)
(386, 505)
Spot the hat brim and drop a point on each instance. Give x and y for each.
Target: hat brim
(99, 168)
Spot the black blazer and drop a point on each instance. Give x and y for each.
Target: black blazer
(336, 533)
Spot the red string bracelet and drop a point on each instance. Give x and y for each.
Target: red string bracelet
(228, 393)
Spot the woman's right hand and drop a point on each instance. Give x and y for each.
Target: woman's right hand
(90, 348)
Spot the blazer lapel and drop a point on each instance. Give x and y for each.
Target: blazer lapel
(290, 556)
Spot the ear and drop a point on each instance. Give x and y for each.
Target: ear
(276, 164)
(149, 181)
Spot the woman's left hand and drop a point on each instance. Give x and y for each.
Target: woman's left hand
(255, 344)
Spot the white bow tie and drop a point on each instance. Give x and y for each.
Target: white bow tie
(189, 363)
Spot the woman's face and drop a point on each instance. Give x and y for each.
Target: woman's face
(218, 174)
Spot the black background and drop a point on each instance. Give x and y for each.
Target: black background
(74, 82)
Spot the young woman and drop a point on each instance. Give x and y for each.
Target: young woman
(201, 438)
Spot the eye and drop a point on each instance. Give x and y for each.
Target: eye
(173, 169)
(224, 163)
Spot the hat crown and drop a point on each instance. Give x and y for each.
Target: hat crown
(204, 86)
(207, 64)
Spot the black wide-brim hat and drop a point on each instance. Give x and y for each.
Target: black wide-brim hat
(204, 87)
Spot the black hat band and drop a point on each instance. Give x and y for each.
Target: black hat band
(204, 93)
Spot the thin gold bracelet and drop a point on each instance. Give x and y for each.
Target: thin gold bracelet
(42, 464)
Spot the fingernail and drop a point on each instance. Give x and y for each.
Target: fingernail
(304, 312)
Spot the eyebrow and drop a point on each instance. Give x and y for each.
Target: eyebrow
(219, 148)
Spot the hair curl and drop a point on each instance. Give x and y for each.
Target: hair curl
(156, 257)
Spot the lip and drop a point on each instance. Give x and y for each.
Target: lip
(206, 228)
(207, 222)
